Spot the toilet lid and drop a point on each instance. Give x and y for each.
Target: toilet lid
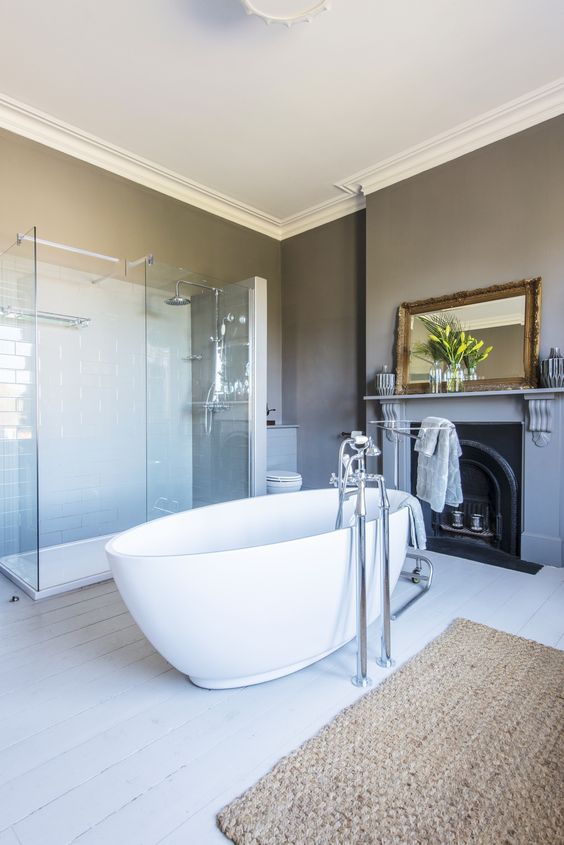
(283, 476)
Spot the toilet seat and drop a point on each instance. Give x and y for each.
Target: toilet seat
(283, 481)
(283, 476)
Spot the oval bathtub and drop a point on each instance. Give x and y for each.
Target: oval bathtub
(242, 592)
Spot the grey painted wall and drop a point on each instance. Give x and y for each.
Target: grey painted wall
(494, 215)
(76, 203)
(491, 216)
(323, 340)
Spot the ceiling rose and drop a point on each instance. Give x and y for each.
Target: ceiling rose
(287, 12)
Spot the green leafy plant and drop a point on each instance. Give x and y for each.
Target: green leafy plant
(475, 352)
(445, 342)
(448, 343)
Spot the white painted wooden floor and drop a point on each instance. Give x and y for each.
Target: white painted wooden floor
(102, 742)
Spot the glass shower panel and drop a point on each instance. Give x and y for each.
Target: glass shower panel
(169, 389)
(221, 395)
(18, 424)
(198, 375)
(91, 400)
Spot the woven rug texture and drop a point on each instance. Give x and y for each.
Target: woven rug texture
(463, 745)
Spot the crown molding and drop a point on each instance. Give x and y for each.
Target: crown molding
(48, 130)
(506, 120)
(317, 215)
(512, 117)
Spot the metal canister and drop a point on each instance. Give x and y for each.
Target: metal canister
(476, 522)
(457, 518)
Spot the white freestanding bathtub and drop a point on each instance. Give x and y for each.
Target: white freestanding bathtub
(246, 591)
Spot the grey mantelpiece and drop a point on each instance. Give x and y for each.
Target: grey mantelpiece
(470, 394)
(542, 411)
(540, 408)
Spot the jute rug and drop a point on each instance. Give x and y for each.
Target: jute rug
(463, 744)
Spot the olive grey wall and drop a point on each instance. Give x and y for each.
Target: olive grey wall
(506, 358)
(323, 273)
(494, 215)
(76, 203)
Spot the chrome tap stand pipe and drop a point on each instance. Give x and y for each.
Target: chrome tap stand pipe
(361, 678)
(385, 659)
(352, 482)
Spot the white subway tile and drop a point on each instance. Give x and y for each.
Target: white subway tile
(10, 332)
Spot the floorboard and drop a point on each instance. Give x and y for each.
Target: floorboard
(38, 668)
(102, 742)
(46, 650)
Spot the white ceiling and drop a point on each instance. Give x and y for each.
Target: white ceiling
(273, 117)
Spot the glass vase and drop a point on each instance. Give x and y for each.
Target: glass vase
(472, 374)
(436, 377)
(454, 378)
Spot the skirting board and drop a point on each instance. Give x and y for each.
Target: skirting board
(548, 551)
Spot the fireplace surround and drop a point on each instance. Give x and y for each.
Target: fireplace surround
(538, 416)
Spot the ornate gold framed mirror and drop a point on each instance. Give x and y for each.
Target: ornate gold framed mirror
(489, 335)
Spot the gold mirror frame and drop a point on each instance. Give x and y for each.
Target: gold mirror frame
(531, 288)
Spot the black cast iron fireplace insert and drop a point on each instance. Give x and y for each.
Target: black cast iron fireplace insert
(491, 475)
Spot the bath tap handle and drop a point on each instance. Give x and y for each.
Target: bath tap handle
(351, 487)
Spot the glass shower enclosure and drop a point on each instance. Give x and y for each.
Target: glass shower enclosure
(206, 388)
(128, 391)
(19, 522)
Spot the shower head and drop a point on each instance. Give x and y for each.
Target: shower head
(178, 300)
(184, 300)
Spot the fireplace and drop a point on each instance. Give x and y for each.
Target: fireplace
(524, 427)
(489, 518)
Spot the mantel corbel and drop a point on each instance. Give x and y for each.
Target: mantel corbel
(391, 410)
(540, 418)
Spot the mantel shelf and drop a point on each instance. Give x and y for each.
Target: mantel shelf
(400, 397)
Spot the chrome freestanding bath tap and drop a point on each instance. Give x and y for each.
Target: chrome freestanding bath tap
(347, 479)
(351, 479)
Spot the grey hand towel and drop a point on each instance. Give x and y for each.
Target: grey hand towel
(418, 535)
(438, 470)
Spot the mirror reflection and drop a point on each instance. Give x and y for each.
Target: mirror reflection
(481, 339)
(487, 336)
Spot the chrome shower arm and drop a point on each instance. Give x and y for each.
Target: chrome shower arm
(196, 285)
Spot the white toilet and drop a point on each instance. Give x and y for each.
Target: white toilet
(283, 481)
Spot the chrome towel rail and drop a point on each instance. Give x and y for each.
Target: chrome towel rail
(19, 313)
